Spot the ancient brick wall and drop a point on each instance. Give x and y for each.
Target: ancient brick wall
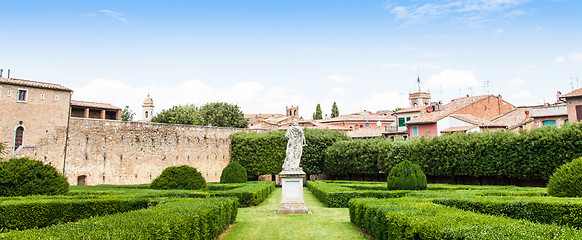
(116, 152)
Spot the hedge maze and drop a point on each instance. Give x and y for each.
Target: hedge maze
(454, 211)
(128, 212)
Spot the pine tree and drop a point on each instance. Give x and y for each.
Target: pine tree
(317, 114)
(334, 110)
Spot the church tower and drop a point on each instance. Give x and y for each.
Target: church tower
(419, 98)
(148, 108)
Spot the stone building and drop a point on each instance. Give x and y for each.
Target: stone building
(83, 109)
(148, 109)
(30, 110)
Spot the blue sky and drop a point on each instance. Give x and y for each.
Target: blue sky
(264, 55)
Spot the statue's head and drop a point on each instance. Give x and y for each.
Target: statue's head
(294, 123)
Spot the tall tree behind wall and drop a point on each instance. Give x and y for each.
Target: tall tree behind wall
(317, 115)
(334, 110)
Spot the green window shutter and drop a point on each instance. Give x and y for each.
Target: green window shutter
(401, 122)
(414, 131)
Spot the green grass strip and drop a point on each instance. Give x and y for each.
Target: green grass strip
(260, 222)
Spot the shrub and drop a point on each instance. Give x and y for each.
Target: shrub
(23, 176)
(180, 177)
(233, 173)
(567, 180)
(406, 176)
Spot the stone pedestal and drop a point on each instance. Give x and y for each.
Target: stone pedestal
(292, 201)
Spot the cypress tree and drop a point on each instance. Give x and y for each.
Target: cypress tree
(317, 115)
(334, 110)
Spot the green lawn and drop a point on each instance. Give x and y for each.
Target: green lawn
(260, 222)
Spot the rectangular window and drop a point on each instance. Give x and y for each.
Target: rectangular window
(9, 93)
(0, 93)
(56, 97)
(22, 95)
(41, 96)
(549, 123)
(401, 122)
(414, 131)
(407, 119)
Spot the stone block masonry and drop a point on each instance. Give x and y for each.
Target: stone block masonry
(116, 152)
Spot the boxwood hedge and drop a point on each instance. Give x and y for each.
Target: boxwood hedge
(413, 218)
(177, 219)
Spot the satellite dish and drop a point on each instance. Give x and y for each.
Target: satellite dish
(379, 124)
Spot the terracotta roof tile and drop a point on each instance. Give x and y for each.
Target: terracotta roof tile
(513, 118)
(458, 129)
(472, 119)
(575, 93)
(448, 109)
(366, 132)
(549, 111)
(360, 118)
(29, 83)
(75, 103)
(412, 109)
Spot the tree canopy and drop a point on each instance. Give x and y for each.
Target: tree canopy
(127, 114)
(218, 114)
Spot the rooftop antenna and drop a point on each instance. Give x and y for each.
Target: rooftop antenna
(1, 71)
(441, 92)
(8, 73)
(487, 85)
(571, 83)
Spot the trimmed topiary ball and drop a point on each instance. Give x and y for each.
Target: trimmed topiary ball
(567, 180)
(233, 173)
(406, 176)
(23, 176)
(180, 177)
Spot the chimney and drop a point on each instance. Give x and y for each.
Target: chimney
(526, 114)
(558, 96)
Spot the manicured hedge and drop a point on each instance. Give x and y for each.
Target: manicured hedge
(567, 180)
(336, 195)
(549, 210)
(180, 177)
(36, 213)
(531, 155)
(23, 177)
(411, 218)
(264, 153)
(355, 156)
(179, 219)
(233, 173)
(249, 194)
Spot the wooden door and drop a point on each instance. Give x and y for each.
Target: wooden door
(18, 138)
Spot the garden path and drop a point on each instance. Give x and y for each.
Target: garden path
(260, 222)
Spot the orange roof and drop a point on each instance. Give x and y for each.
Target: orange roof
(366, 132)
(458, 129)
(315, 125)
(360, 118)
(575, 93)
(448, 109)
(472, 119)
(513, 118)
(29, 83)
(84, 104)
(412, 109)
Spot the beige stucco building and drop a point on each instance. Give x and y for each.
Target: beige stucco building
(30, 110)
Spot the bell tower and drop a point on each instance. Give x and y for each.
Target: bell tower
(148, 108)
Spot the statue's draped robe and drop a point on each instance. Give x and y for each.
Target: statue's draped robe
(294, 147)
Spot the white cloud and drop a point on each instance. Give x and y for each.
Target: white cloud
(560, 59)
(337, 91)
(464, 12)
(452, 79)
(380, 101)
(251, 97)
(501, 30)
(117, 15)
(410, 67)
(517, 82)
(339, 78)
(576, 56)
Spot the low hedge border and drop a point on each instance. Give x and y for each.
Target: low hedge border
(338, 196)
(411, 218)
(37, 213)
(179, 219)
(248, 194)
(549, 210)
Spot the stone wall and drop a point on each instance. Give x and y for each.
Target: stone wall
(116, 152)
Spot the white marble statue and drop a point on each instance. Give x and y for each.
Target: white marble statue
(295, 146)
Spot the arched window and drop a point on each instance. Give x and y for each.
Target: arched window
(146, 114)
(18, 137)
(81, 180)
